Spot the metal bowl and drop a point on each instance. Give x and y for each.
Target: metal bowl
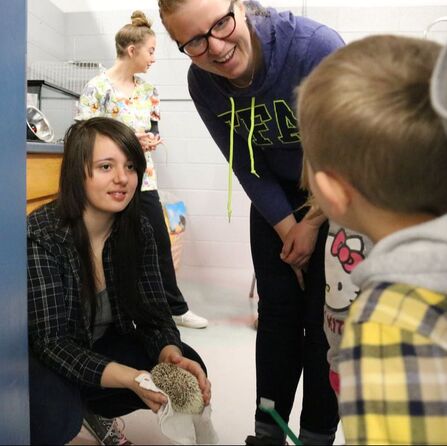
(37, 125)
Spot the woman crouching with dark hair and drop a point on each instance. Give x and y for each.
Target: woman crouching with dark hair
(97, 311)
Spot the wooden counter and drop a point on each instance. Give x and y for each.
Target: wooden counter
(42, 178)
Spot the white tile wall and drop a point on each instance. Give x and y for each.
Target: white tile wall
(189, 164)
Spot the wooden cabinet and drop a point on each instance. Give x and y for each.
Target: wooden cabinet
(42, 178)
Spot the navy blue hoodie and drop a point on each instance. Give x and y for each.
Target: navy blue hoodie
(292, 46)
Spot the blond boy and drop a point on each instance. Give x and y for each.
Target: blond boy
(377, 163)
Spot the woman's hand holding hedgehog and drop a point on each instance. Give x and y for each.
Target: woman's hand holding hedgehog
(182, 379)
(181, 387)
(172, 355)
(153, 400)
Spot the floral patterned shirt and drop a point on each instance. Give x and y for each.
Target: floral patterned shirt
(101, 98)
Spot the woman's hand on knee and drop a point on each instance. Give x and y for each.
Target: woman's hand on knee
(299, 244)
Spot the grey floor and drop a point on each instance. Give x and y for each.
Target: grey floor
(227, 347)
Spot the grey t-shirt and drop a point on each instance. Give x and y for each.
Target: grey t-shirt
(103, 318)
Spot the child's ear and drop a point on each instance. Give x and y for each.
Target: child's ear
(335, 191)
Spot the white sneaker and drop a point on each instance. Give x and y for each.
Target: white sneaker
(190, 320)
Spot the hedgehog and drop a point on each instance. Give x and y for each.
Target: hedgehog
(181, 386)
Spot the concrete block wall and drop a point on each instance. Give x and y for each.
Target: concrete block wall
(189, 163)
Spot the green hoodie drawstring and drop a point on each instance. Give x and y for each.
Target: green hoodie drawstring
(250, 150)
(250, 136)
(230, 161)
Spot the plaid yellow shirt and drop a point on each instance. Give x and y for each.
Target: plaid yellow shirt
(393, 367)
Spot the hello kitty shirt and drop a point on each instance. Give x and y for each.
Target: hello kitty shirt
(345, 249)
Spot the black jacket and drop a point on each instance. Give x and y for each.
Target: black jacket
(59, 331)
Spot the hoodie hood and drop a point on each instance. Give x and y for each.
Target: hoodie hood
(276, 32)
(415, 256)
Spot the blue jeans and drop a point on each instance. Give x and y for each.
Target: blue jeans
(290, 338)
(57, 404)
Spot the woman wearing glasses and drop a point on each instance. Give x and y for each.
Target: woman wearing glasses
(246, 63)
(120, 94)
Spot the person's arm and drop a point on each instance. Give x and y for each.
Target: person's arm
(148, 140)
(161, 335)
(50, 330)
(150, 137)
(299, 237)
(172, 355)
(117, 375)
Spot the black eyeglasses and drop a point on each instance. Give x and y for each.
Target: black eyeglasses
(222, 29)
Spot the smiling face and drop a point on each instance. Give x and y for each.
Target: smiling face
(231, 57)
(113, 180)
(143, 55)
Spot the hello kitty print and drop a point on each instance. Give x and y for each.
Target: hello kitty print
(344, 251)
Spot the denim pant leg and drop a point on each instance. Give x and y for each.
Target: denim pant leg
(55, 406)
(290, 331)
(152, 209)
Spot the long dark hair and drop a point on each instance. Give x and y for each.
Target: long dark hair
(79, 143)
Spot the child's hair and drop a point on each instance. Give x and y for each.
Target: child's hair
(133, 33)
(365, 113)
(77, 161)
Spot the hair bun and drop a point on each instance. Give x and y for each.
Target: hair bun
(139, 19)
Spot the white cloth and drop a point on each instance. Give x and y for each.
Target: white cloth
(181, 428)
